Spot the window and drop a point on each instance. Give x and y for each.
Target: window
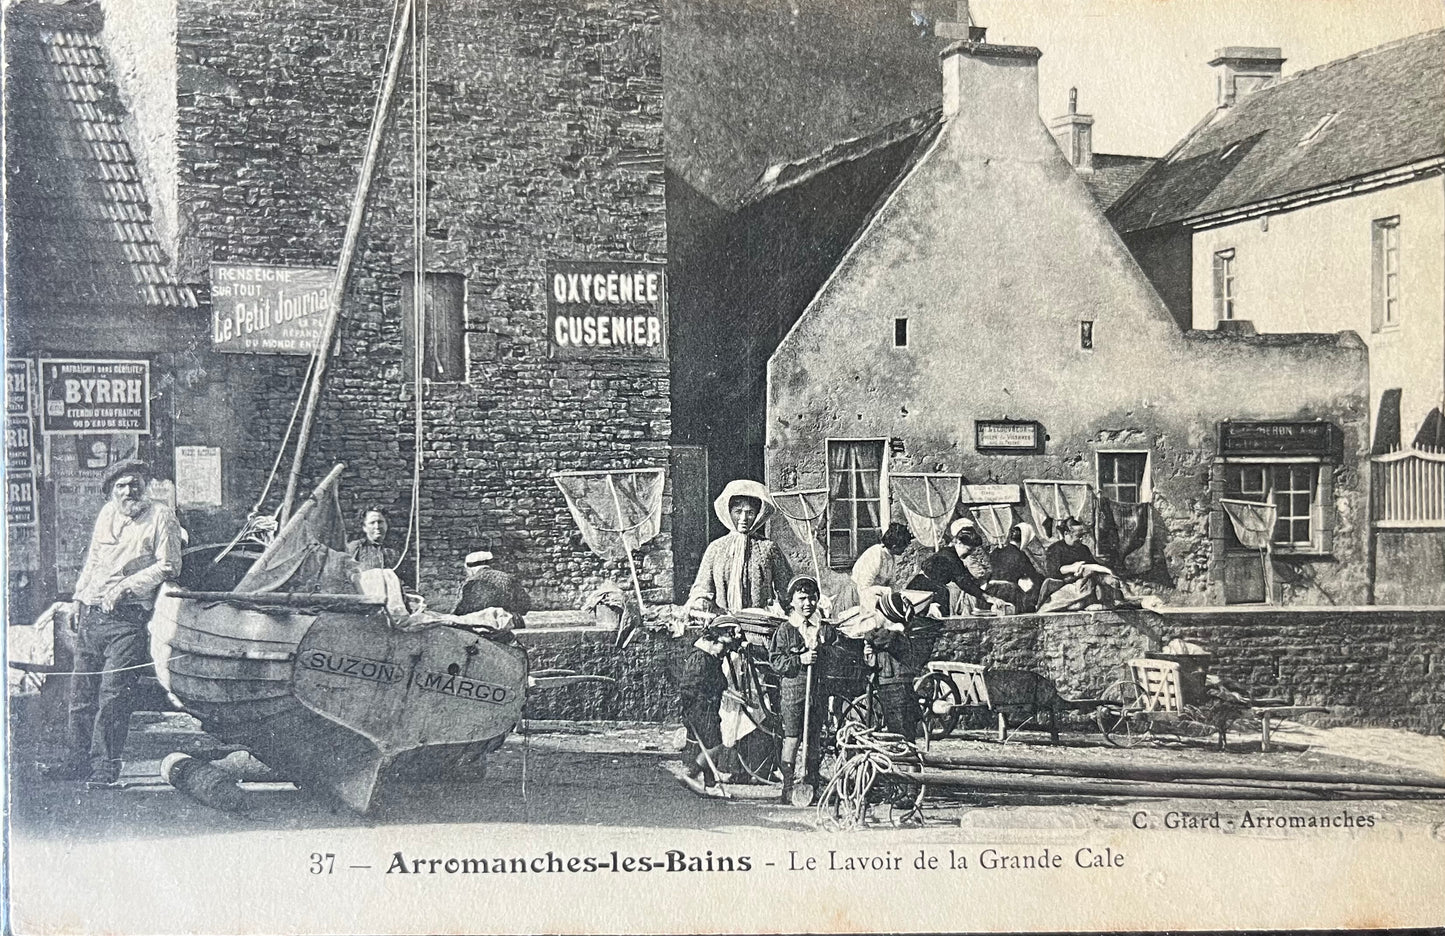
(1224, 285)
(1292, 488)
(443, 344)
(1086, 335)
(1124, 477)
(855, 498)
(900, 333)
(1386, 290)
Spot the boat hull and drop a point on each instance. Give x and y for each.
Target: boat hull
(338, 701)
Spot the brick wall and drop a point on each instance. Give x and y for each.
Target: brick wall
(545, 143)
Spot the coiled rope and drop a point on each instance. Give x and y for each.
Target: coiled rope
(867, 755)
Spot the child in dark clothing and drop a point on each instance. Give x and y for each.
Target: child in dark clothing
(702, 686)
(792, 650)
(895, 657)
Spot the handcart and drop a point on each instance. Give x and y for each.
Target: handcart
(1172, 694)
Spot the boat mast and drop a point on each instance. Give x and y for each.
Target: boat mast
(348, 253)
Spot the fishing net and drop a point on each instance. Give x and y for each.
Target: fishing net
(1253, 522)
(616, 511)
(994, 521)
(805, 511)
(807, 514)
(928, 502)
(1051, 501)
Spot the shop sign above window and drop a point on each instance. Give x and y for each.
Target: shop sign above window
(1243, 437)
(602, 310)
(1008, 436)
(81, 397)
(268, 309)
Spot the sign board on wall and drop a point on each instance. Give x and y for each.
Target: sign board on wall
(1008, 437)
(19, 444)
(990, 494)
(606, 310)
(1280, 438)
(80, 396)
(268, 309)
(19, 387)
(198, 475)
(20, 498)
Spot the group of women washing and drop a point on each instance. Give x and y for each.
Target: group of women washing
(745, 570)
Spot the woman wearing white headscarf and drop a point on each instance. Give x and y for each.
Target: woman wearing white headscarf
(742, 569)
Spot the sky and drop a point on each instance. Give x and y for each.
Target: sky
(1141, 66)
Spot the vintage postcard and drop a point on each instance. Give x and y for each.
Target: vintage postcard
(716, 466)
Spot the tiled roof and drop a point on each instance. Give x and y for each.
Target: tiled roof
(1388, 107)
(1113, 175)
(80, 218)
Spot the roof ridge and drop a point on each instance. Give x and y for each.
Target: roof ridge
(1352, 57)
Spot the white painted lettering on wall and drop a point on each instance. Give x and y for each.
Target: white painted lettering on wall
(606, 310)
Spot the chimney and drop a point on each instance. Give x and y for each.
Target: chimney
(994, 89)
(1242, 70)
(1075, 133)
(962, 27)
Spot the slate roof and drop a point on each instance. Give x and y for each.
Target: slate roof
(749, 84)
(79, 217)
(1114, 174)
(781, 176)
(1389, 111)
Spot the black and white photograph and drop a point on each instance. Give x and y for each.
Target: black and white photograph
(723, 466)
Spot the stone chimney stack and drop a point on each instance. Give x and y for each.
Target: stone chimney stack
(1075, 133)
(1242, 70)
(961, 27)
(993, 91)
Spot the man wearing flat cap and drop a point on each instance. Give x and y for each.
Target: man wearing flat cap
(487, 587)
(136, 545)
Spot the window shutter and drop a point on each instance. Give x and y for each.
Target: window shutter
(1218, 288)
(1325, 504)
(1377, 277)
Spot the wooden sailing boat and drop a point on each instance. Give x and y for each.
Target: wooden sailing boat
(274, 653)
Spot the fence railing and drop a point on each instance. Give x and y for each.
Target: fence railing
(1407, 488)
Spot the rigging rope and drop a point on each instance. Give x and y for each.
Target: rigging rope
(419, 27)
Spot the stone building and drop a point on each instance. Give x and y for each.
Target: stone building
(987, 321)
(249, 121)
(1313, 203)
(1316, 203)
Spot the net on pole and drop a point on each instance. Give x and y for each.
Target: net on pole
(994, 522)
(928, 502)
(807, 514)
(616, 511)
(1253, 524)
(1051, 501)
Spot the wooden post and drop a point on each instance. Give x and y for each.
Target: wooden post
(348, 252)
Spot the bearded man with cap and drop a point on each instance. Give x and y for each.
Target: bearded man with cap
(487, 587)
(135, 546)
(742, 569)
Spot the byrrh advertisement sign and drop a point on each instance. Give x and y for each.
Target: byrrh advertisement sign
(80, 397)
(268, 309)
(606, 309)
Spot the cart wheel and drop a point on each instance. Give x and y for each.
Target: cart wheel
(758, 752)
(938, 698)
(1121, 715)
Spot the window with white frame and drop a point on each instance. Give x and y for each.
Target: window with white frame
(1293, 488)
(1124, 476)
(1385, 240)
(855, 498)
(1224, 285)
